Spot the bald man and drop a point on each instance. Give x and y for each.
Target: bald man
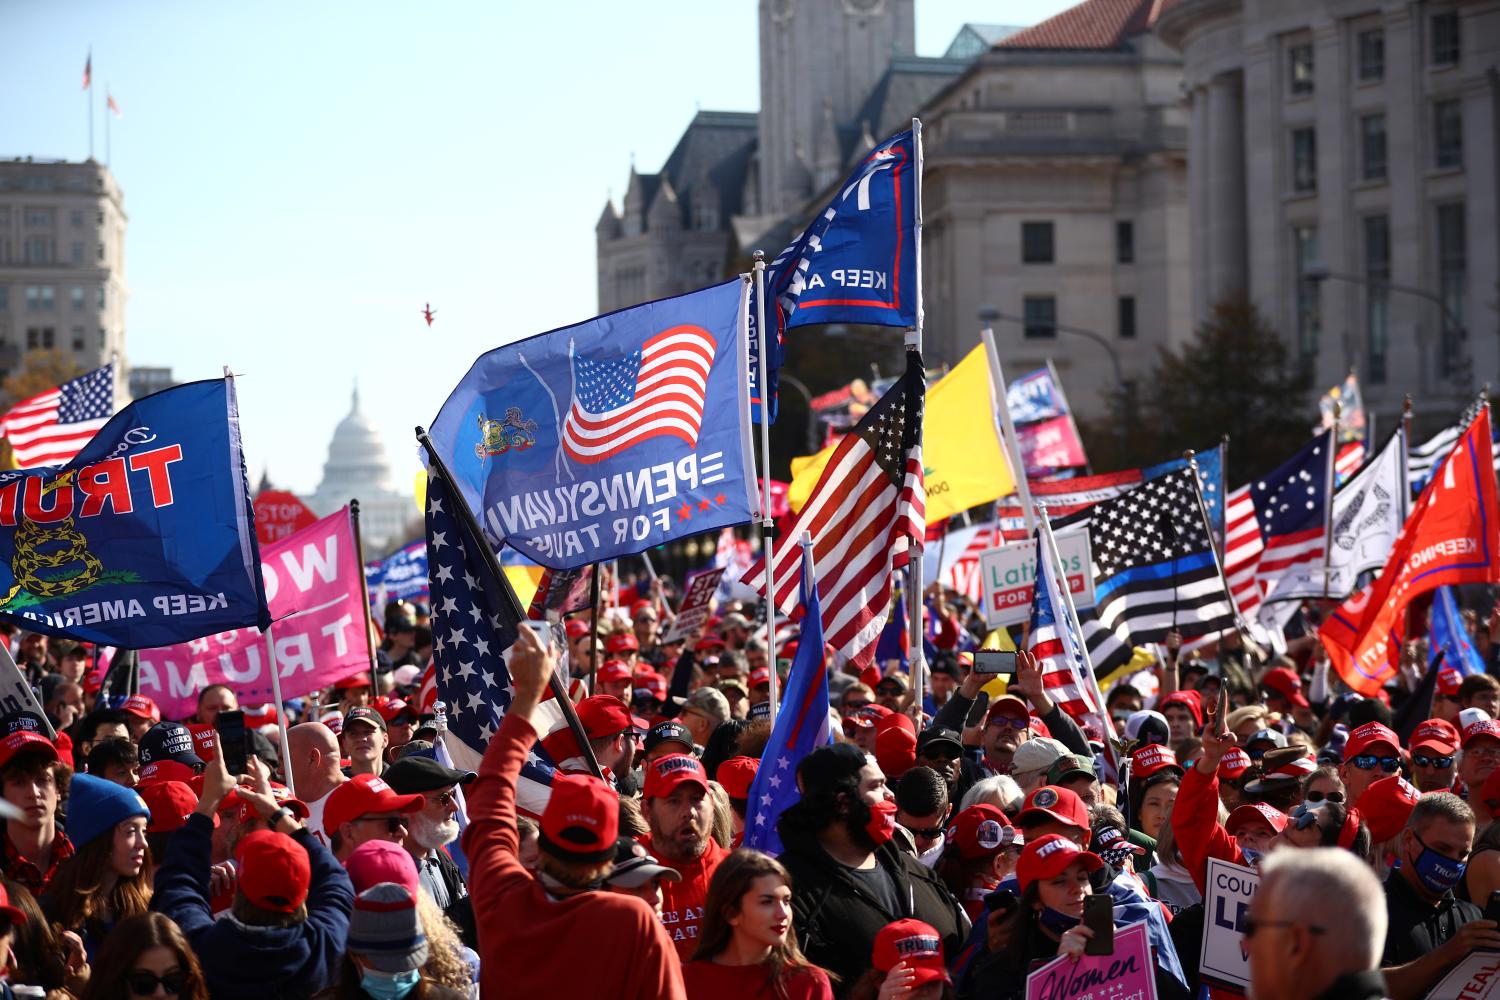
(314, 752)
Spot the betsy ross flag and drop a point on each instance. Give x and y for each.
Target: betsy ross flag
(474, 621)
(1055, 636)
(656, 391)
(865, 516)
(801, 723)
(1291, 505)
(51, 427)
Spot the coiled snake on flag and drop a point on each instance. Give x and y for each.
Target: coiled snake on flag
(40, 550)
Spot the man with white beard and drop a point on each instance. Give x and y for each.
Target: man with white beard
(432, 828)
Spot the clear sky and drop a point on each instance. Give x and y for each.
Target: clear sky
(302, 177)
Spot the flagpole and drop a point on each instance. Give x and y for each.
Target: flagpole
(286, 752)
(1333, 449)
(595, 597)
(656, 600)
(1060, 574)
(470, 526)
(1008, 426)
(1405, 457)
(88, 93)
(107, 117)
(1240, 624)
(767, 526)
(915, 629)
(359, 553)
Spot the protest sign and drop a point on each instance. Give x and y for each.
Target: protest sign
(1476, 977)
(279, 514)
(18, 705)
(1124, 974)
(316, 594)
(400, 576)
(1049, 446)
(1009, 577)
(1225, 961)
(697, 592)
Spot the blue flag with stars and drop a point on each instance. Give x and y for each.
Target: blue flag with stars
(801, 726)
(475, 619)
(1450, 637)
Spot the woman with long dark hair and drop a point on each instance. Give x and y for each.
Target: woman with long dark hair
(146, 956)
(109, 878)
(746, 948)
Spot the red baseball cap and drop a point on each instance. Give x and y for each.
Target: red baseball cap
(1449, 680)
(377, 861)
(917, 944)
(895, 745)
(1473, 731)
(141, 707)
(1386, 805)
(1371, 734)
(393, 708)
(576, 628)
(355, 680)
(708, 642)
(652, 685)
(1285, 682)
(274, 870)
(582, 818)
(759, 676)
(1437, 735)
(171, 803)
(361, 796)
(1050, 856)
(1234, 763)
(1154, 757)
(613, 672)
(1190, 700)
(168, 770)
(980, 831)
(600, 714)
(1055, 802)
(26, 741)
(737, 774)
(664, 774)
(1007, 704)
(14, 914)
(1257, 812)
(638, 606)
(621, 642)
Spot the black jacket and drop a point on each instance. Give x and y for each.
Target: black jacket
(837, 920)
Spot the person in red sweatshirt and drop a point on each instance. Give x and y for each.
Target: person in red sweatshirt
(553, 935)
(681, 815)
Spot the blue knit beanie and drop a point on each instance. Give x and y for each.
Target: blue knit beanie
(95, 806)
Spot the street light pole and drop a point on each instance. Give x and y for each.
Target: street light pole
(812, 418)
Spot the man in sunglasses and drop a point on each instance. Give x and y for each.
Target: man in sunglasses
(1372, 752)
(1434, 748)
(433, 827)
(366, 808)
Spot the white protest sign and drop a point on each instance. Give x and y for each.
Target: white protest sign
(1008, 577)
(18, 704)
(1477, 977)
(698, 590)
(1226, 960)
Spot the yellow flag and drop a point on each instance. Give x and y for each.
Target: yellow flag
(964, 465)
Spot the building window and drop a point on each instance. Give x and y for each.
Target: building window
(39, 337)
(101, 296)
(103, 338)
(4, 297)
(1300, 64)
(1445, 38)
(1371, 55)
(1309, 312)
(1377, 236)
(1127, 317)
(1036, 243)
(1448, 133)
(1453, 278)
(1041, 317)
(1372, 148)
(77, 253)
(39, 298)
(76, 217)
(1304, 160)
(1124, 242)
(100, 252)
(76, 295)
(38, 250)
(39, 216)
(99, 217)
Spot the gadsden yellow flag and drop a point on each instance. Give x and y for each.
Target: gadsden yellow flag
(963, 463)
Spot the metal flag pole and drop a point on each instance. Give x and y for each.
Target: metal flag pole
(286, 750)
(88, 96)
(469, 524)
(767, 526)
(1060, 574)
(1405, 457)
(914, 619)
(359, 553)
(662, 606)
(594, 600)
(1240, 624)
(1333, 450)
(1007, 426)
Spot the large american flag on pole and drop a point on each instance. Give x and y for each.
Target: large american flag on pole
(51, 427)
(865, 515)
(654, 392)
(1055, 639)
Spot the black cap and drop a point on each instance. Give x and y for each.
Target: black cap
(823, 767)
(169, 741)
(423, 774)
(932, 740)
(664, 732)
(946, 664)
(362, 714)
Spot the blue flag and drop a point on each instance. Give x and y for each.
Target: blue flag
(856, 262)
(146, 538)
(801, 727)
(1450, 637)
(610, 437)
(400, 576)
(1210, 482)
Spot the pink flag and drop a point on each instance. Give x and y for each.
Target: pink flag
(316, 591)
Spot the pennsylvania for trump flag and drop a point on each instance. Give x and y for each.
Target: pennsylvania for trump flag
(865, 516)
(53, 426)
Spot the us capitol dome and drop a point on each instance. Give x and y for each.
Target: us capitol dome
(359, 468)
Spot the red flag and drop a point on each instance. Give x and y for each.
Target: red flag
(1452, 536)
(109, 99)
(88, 72)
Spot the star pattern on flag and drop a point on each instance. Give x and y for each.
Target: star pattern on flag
(1292, 498)
(1155, 521)
(88, 397)
(607, 385)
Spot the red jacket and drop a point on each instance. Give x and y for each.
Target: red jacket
(592, 944)
(682, 902)
(1196, 828)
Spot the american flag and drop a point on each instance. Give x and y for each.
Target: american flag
(474, 621)
(51, 427)
(1291, 506)
(865, 516)
(1350, 457)
(1154, 568)
(1242, 549)
(1055, 638)
(88, 72)
(114, 108)
(656, 391)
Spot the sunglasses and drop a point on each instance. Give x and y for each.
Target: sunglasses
(1009, 721)
(1250, 926)
(855, 706)
(1422, 760)
(448, 798)
(1325, 797)
(144, 984)
(393, 824)
(1367, 762)
(930, 833)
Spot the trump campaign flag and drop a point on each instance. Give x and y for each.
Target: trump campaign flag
(400, 576)
(801, 724)
(856, 262)
(146, 538)
(1450, 538)
(316, 596)
(609, 437)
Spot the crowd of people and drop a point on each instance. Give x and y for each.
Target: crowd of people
(946, 843)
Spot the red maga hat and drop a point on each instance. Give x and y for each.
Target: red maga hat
(1050, 856)
(917, 944)
(361, 796)
(665, 774)
(1055, 802)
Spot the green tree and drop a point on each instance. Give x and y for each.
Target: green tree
(43, 370)
(1235, 377)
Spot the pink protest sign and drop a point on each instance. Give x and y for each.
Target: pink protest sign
(1049, 446)
(1125, 974)
(315, 588)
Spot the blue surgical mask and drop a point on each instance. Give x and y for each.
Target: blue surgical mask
(1057, 921)
(389, 985)
(1438, 872)
(1252, 856)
